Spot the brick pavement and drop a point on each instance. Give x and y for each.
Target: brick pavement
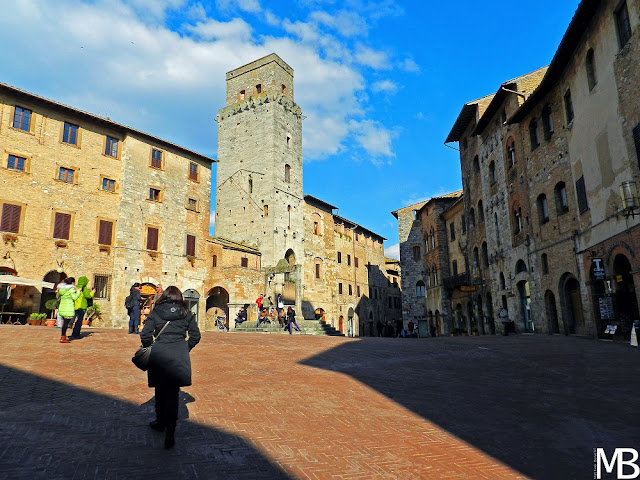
(317, 407)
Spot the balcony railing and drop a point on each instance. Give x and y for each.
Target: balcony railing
(457, 280)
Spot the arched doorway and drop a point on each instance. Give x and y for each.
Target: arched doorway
(625, 294)
(55, 277)
(552, 312)
(491, 324)
(525, 305)
(217, 305)
(481, 319)
(459, 325)
(290, 257)
(192, 297)
(572, 306)
(350, 314)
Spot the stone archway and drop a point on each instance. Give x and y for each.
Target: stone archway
(572, 315)
(217, 305)
(524, 296)
(552, 312)
(625, 294)
(55, 277)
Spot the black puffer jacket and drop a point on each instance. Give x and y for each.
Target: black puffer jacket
(169, 363)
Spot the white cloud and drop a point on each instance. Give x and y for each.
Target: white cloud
(372, 58)
(236, 30)
(373, 137)
(386, 86)
(408, 65)
(347, 24)
(251, 6)
(393, 251)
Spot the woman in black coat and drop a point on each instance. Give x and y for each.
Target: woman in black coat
(169, 362)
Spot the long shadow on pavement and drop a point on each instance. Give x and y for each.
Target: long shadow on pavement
(540, 404)
(51, 430)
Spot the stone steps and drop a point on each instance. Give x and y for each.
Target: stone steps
(307, 327)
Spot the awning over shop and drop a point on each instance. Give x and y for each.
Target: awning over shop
(14, 280)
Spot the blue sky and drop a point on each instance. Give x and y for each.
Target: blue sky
(381, 82)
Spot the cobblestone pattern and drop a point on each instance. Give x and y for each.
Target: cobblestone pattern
(317, 407)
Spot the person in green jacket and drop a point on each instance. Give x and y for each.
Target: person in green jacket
(81, 304)
(67, 294)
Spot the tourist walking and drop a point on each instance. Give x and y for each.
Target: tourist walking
(67, 294)
(132, 303)
(291, 320)
(169, 363)
(81, 304)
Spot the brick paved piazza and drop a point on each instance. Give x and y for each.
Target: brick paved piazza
(271, 406)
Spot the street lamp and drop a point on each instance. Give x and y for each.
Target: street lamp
(629, 194)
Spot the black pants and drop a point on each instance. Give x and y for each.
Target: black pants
(65, 324)
(167, 405)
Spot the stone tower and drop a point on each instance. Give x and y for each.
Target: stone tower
(259, 198)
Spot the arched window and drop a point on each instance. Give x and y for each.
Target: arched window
(472, 218)
(533, 134)
(511, 152)
(435, 277)
(480, 212)
(433, 238)
(420, 290)
(283, 88)
(560, 192)
(318, 268)
(547, 121)
(287, 174)
(543, 210)
(517, 220)
(476, 258)
(289, 216)
(497, 225)
(476, 164)
(485, 255)
(454, 268)
(492, 172)
(545, 263)
(502, 282)
(521, 266)
(591, 69)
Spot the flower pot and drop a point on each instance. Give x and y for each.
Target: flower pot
(85, 322)
(51, 322)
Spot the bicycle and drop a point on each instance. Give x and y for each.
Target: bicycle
(221, 324)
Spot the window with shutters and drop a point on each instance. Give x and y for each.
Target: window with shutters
(152, 238)
(568, 106)
(622, 24)
(191, 246)
(192, 204)
(340, 288)
(591, 69)
(560, 193)
(111, 147)
(348, 260)
(61, 225)
(193, 171)
(154, 194)
(66, 174)
(287, 174)
(102, 284)
(581, 192)
(355, 261)
(105, 232)
(452, 232)
(350, 289)
(244, 262)
(543, 209)
(17, 163)
(156, 158)
(22, 119)
(70, 134)
(636, 141)
(547, 122)
(108, 184)
(10, 220)
(533, 134)
(339, 257)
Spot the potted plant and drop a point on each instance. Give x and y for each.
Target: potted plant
(61, 243)
(104, 248)
(191, 259)
(36, 318)
(153, 254)
(11, 238)
(91, 314)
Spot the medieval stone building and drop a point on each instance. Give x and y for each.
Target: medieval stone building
(549, 171)
(96, 198)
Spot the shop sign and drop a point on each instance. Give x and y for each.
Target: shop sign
(597, 268)
(467, 288)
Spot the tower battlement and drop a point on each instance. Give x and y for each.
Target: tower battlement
(266, 76)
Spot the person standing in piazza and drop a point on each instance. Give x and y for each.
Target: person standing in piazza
(81, 304)
(132, 303)
(266, 303)
(68, 294)
(259, 302)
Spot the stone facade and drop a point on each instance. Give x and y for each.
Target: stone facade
(544, 158)
(82, 195)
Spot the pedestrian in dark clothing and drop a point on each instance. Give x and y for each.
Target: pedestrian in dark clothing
(132, 303)
(291, 320)
(241, 317)
(169, 363)
(379, 326)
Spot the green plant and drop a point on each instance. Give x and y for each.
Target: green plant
(92, 312)
(37, 316)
